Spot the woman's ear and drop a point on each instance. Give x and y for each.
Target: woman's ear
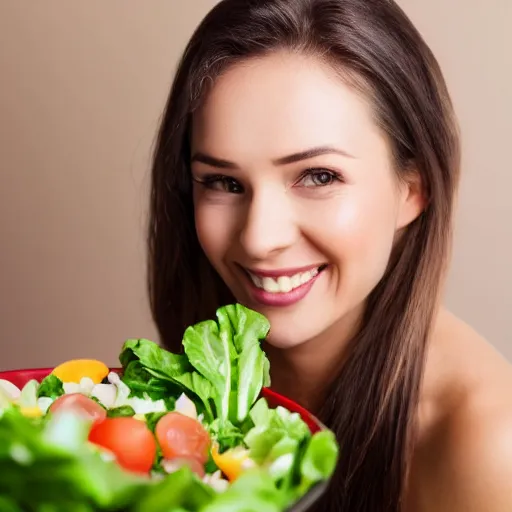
(413, 199)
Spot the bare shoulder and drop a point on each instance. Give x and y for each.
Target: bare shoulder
(464, 460)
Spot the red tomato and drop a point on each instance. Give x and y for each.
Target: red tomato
(76, 402)
(130, 440)
(171, 465)
(181, 436)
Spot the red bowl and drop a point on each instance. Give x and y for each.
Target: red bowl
(21, 377)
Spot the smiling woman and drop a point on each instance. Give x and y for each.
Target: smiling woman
(290, 203)
(306, 167)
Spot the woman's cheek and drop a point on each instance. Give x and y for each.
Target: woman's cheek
(356, 232)
(214, 227)
(338, 223)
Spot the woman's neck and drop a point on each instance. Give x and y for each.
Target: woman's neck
(304, 372)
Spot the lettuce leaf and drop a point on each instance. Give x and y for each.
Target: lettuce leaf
(319, 460)
(270, 427)
(223, 369)
(253, 368)
(121, 412)
(212, 353)
(253, 491)
(179, 489)
(161, 361)
(141, 382)
(226, 434)
(51, 386)
(150, 369)
(228, 354)
(281, 443)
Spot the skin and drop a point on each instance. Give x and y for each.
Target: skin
(267, 215)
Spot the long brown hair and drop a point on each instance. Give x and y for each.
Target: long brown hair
(373, 402)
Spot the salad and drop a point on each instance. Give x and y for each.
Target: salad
(166, 432)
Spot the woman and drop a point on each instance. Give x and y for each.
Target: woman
(306, 166)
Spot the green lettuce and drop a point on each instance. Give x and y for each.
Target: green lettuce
(223, 369)
(281, 442)
(141, 382)
(319, 460)
(253, 491)
(150, 369)
(228, 354)
(180, 489)
(252, 369)
(121, 412)
(51, 387)
(270, 427)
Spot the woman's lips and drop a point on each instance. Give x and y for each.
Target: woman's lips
(281, 288)
(287, 272)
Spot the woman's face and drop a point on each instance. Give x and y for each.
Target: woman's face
(296, 200)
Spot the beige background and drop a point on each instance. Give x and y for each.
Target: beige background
(82, 87)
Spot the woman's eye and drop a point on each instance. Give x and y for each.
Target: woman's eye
(222, 184)
(318, 178)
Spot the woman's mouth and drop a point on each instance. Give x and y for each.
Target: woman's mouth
(282, 287)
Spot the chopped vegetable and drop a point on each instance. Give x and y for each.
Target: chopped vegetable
(181, 436)
(9, 390)
(124, 411)
(232, 462)
(50, 387)
(79, 404)
(128, 439)
(28, 396)
(77, 369)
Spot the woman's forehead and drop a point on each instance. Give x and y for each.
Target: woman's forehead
(284, 103)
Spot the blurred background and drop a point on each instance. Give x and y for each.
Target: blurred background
(83, 85)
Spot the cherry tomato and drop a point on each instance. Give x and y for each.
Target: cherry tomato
(76, 402)
(171, 465)
(129, 439)
(181, 436)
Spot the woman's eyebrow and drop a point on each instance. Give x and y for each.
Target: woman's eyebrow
(285, 160)
(213, 161)
(311, 153)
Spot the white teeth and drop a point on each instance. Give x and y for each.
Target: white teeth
(304, 278)
(296, 280)
(269, 285)
(256, 280)
(283, 284)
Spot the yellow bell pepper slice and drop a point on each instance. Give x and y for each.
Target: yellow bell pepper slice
(76, 369)
(232, 462)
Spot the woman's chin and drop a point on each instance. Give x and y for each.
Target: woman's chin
(286, 340)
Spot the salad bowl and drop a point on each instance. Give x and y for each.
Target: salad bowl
(20, 377)
(291, 456)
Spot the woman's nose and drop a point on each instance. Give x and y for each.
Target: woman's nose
(269, 226)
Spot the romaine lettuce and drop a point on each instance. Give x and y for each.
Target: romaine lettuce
(224, 367)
